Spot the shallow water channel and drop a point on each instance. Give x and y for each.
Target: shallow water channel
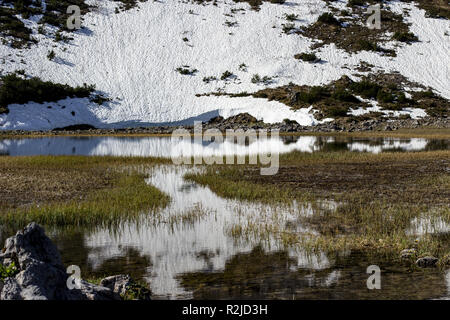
(191, 249)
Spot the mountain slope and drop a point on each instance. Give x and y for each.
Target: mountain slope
(154, 62)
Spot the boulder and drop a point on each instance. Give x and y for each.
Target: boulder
(41, 274)
(427, 262)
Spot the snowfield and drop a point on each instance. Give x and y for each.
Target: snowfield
(132, 58)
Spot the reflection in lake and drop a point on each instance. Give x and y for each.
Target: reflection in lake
(262, 275)
(187, 250)
(176, 245)
(167, 146)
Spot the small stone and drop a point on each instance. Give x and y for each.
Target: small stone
(125, 286)
(118, 283)
(427, 262)
(407, 253)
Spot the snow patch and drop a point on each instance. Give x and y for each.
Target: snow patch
(132, 57)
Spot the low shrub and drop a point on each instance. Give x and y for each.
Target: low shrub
(367, 45)
(329, 18)
(336, 111)
(343, 95)
(7, 271)
(186, 70)
(16, 89)
(308, 57)
(365, 88)
(405, 37)
(227, 74)
(291, 16)
(315, 94)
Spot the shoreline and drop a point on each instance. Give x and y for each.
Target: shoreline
(427, 127)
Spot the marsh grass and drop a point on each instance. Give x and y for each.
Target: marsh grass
(378, 196)
(233, 188)
(191, 216)
(76, 191)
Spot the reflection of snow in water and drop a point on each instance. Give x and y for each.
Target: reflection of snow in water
(178, 248)
(427, 225)
(151, 146)
(167, 147)
(414, 144)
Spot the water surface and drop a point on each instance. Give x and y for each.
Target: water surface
(188, 249)
(168, 146)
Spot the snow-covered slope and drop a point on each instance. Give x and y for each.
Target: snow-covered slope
(132, 58)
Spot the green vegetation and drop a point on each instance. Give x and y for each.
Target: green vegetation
(16, 89)
(10, 25)
(209, 79)
(55, 15)
(7, 271)
(255, 4)
(309, 57)
(51, 55)
(227, 74)
(435, 8)
(328, 18)
(405, 37)
(288, 27)
(186, 70)
(366, 45)
(372, 213)
(341, 94)
(335, 99)
(353, 36)
(256, 78)
(129, 4)
(365, 88)
(137, 291)
(291, 17)
(75, 191)
(356, 3)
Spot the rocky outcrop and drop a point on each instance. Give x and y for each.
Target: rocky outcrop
(245, 121)
(42, 276)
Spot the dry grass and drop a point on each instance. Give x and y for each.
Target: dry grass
(74, 191)
(378, 196)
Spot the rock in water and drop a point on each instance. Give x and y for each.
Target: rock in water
(124, 285)
(118, 284)
(407, 254)
(41, 274)
(427, 262)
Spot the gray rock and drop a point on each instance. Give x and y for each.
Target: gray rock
(118, 283)
(42, 275)
(427, 262)
(31, 244)
(89, 291)
(407, 254)
(11, 290)
(124, 284)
